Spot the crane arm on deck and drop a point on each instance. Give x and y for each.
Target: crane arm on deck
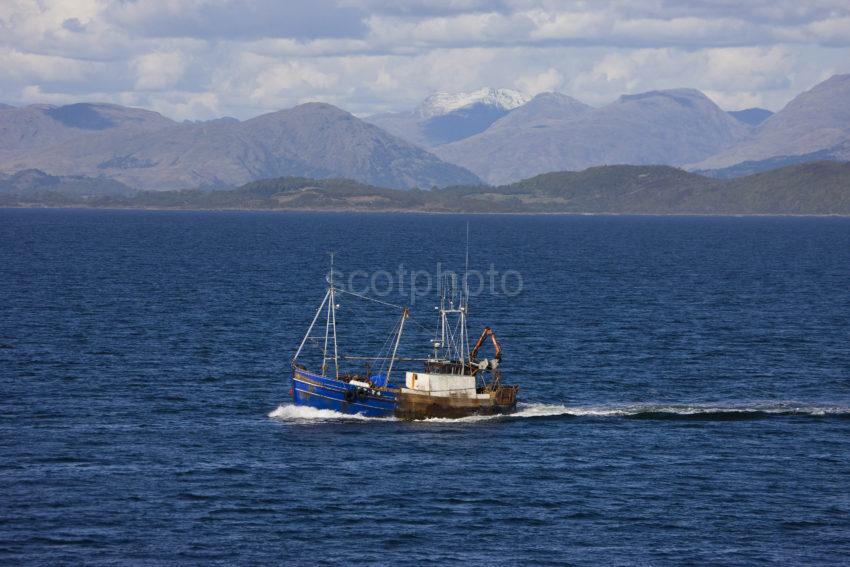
(487, 332)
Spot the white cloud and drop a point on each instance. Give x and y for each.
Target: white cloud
(234, 19)
(459, 30)
(832, 31)
(285, 81)
(194, 58)
(182, 105)
(748, 69)
(158, 70)
(565, 25)
(547, 81)
(16, 66)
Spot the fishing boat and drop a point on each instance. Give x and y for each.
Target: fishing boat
(451, 382)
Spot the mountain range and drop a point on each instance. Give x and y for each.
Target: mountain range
(444, 117)
(681, 127)
(145, 150)
(817, 120)
(497, 136)
(555, 132)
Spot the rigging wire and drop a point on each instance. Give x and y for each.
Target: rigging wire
(366, 297)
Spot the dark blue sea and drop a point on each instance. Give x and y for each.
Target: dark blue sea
(685, 392)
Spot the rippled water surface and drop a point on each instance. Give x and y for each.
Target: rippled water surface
(685, 393)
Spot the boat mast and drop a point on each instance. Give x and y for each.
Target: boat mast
(464, 303)
(310, 328)
(333, 316)
(327, 334)
(443, 313)
(404, 315)
(450, 344)
(458, 302)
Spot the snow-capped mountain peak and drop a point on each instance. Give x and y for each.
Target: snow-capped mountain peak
(439, 104)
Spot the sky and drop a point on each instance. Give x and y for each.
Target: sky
(202, 59)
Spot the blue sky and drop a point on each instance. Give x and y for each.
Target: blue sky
(200, 59)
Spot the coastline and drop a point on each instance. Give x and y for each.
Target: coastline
(416, 212)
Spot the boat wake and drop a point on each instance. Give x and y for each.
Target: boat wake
(704, 412)
(695, 411)
(307, 414)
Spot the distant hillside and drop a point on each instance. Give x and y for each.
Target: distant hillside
(811, 188)
(752, 167)
(659, 127)
(751, 116)
(143, 149)
(31, 132)
(32, 182)
(816, 120)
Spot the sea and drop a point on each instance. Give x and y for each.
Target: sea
(684, 391)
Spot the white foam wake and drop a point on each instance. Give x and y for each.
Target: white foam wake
(524, 410)
(684, 410)
(305, 414)
(708, 409)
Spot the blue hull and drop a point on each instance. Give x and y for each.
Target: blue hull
(313, 390)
